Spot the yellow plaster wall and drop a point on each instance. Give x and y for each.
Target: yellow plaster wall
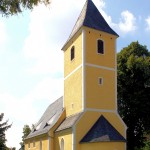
(103, 146)
(60, 120)
(100, 96)
(91, 56)
(88, 120)
(37, 140)
(73, 93)
(67, 136)
(69, 65)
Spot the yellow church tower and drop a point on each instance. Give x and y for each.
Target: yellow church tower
(90, 64)
(90, 82)
(86, 117)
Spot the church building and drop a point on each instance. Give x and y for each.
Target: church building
(86, 116)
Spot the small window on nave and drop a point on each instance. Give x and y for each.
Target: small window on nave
(62, 144)
(40, 145)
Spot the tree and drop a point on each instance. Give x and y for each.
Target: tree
(26, 132)
(134, 92)
(3, 128)
(11, 7)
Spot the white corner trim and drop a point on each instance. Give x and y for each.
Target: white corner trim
(73, 72)
(74, 132)
(73, 138)
(100, 110)
(101, 67)
(49, 143)
(125, 147)
(122, 122)
(116, 76)
(83, 69)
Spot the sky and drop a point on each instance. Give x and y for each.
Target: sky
(31, 60)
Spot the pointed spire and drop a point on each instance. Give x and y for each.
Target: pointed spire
(92, 18)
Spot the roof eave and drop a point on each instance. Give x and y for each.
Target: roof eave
(70, 38)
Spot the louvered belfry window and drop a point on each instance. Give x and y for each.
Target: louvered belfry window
(72, 53)
(100, 47)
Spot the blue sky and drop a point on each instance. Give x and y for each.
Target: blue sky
(31, 60)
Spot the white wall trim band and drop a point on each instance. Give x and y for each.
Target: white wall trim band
(73, 138)
(73, 72)
(100, 110)
(101, 67)
(49, 143)
(83, 69)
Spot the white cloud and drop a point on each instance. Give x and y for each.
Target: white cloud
(3, 34)
(28, 109)
(15, 109)
(128, 22)
(148, 23)
(99, 4)
(48, 30)
(48, 88)
(40, 45)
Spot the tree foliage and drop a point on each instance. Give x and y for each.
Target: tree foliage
(11, 7)
(134, 92)
(26, 132)
(3, 128)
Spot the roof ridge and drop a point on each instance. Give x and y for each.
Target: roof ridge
(73, 115)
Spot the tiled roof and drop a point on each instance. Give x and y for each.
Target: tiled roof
(92, 18)
(49, 118)
(68, 122)
(102, 131)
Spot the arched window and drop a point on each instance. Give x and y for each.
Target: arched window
(100, 47)
(72, 55)
(33, 143)
(40, 145)
(29, 145)
(62, 144)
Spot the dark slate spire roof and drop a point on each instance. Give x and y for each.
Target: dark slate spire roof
(103, 131)
(92, 18)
